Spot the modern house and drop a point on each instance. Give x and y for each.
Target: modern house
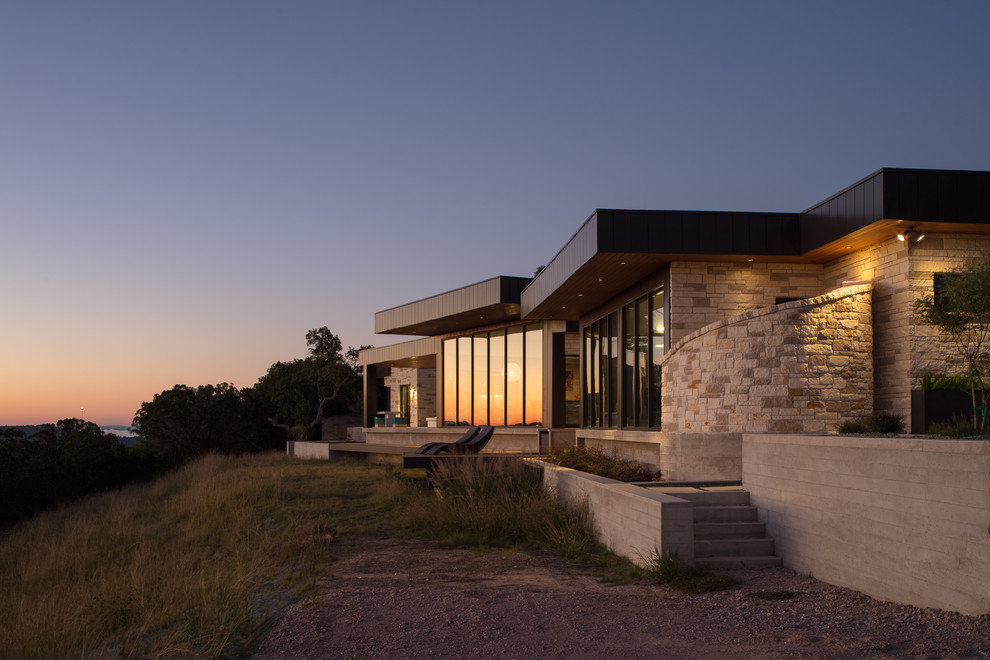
(721, 346)
(668, 334)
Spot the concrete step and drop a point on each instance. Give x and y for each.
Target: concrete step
(724, 514)
(729, 530)
(729, 563)
(737, 547)
(713, 497)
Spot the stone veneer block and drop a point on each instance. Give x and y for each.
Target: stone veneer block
(814, 368)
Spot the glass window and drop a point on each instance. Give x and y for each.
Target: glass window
(496, 380)
(514, 377)
(613, 370)
(480, 380)
(534, 375)
(450, 381)
(629, 366)
(657, 347)
(464, 381)
(626, 354)
(643, 362)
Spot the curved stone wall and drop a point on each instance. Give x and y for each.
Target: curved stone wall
(799, 367)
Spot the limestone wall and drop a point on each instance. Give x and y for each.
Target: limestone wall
(799, 367)
(901, 519)
(422, 395)
(702, 293)
(901, 272)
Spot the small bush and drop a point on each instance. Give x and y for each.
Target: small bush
(957, 428)
(880, 423)
(665, 568)
(601, 463)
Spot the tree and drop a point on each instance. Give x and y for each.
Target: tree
(183, 422)
(301, 392)
(960, 310)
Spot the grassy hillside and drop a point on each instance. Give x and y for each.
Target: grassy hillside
(201, 561)
(194, 563)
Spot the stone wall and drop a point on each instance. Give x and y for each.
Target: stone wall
(422, 395)
(901, 519)
(702, 293)
(799, 367)
(902, 272)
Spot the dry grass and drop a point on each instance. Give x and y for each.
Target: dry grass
(194, 564)
(200, 562)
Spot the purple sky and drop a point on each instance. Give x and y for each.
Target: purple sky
(187, 187)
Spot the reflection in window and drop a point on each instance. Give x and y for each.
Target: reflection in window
(480, 379)
(464, 380)
(534, 374)
(450, 379)
(494, 378)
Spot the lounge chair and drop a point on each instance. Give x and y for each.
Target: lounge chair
(475, 444)
(433, 448)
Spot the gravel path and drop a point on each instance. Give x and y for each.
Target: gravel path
(392, 598)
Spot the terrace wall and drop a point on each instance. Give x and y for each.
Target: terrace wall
(901, 519)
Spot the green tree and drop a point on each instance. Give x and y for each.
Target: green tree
(298, 394)
(183, 422)
(961, 312)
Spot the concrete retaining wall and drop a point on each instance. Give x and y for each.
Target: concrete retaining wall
(525, 439)
(900, 519)
(320, 450)
(680, 456)
(630, 520)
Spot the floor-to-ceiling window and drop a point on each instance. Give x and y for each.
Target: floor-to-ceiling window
(636, 349)
(494, 377)
(601, 343)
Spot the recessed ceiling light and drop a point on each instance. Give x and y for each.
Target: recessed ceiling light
(622, 263)
(601, 279)
(580, 295)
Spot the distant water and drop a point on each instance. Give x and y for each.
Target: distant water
(127, 438)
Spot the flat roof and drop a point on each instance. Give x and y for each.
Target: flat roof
(614, 248)
(491, 301)
(419, 353)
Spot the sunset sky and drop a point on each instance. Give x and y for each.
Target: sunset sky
(187, 187)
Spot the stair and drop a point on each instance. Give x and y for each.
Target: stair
(727, 533)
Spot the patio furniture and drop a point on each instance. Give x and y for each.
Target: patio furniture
(475, 444)
(432, 448)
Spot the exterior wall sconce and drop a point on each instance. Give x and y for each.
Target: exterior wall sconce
(910, 235)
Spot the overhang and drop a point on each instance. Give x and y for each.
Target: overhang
(484, 303)
(417, 353)
(616, 248)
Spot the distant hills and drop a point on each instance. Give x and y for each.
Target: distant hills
(120, 430)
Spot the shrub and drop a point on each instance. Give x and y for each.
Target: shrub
(956, 428)
(879, 423)
(602, 463)
(943, 382)
(666, 568)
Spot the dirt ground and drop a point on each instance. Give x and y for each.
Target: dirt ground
(392, 598)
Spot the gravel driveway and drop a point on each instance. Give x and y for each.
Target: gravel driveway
(391, 598)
